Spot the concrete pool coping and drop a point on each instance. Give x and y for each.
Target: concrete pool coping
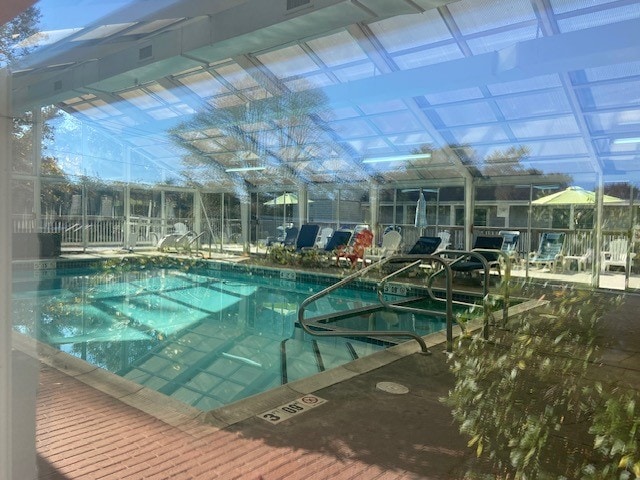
(183, 416)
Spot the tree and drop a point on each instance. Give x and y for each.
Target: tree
(284, 133)
(14, 33)
(528, 396)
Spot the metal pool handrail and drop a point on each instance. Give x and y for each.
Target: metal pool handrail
(485, 287)
(354, 333)
(446, 267)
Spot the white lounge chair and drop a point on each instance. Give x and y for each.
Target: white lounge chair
(323, 238)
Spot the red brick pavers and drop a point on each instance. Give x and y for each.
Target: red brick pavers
(360, 433)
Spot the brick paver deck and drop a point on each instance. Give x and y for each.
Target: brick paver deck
(360, 433)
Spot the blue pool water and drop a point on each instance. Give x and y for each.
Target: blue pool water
(208, 338)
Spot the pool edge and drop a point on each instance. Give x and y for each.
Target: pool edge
(193, 420)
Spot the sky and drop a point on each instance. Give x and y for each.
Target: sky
(61, 14)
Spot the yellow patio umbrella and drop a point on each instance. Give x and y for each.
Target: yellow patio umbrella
(573, 196)
(284, 199)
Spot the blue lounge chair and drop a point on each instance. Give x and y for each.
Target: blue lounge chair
(549, 251)
(307, 236)
(340, 238)
(510, 243)
(425, 246)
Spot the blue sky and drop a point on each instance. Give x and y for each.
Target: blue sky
(60, 14)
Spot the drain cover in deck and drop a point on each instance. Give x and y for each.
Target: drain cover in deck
(392, 387)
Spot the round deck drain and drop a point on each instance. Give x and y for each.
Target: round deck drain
(392, 387)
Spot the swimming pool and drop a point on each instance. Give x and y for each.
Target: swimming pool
(205, 337)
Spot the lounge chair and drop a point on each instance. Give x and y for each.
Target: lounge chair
(510, 244)
(178, 241)
(286, 237)
(290, 236)
(390, 244)
(425, 246)
(339, 239)
(616, 254)
(549, 251)
(306, 238)
(169, 241)
(357, 249)
(473, 264)
(323, 238)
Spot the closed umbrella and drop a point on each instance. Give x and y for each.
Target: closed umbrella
(421, 213)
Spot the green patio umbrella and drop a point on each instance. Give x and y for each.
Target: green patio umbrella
(573, 196)
(285, 199)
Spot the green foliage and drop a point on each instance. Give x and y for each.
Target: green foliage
(526, 398)
(281, 255)
(126, 264)
(14, 33)
(309, 258)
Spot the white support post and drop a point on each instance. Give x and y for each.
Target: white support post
(197, 212)
(6, 223)
(18, 370)
(245, 211)
(374, 206)
(303, 205)
(37, 168)
(469, 207)
(595, 278)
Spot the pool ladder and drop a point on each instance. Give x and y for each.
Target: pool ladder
(413, 261)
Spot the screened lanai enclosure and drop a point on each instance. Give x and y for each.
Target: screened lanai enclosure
(136, 118)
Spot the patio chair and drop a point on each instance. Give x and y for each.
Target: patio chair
(180, 228)
(390, 244)
(191, 241)
(323, 238)
(356, 230)
(616, 255)
(473, 264)
(306, 238)
(168, 241)
(510, 244)
(357, 250)
(287, 236)
(290, 236)
(339, 239)
(425, 246)
(445, 237)
(549, 251)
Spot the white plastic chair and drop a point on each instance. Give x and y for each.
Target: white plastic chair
(616, 255)
(391, 242)
(445, 236)
(323, 238)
